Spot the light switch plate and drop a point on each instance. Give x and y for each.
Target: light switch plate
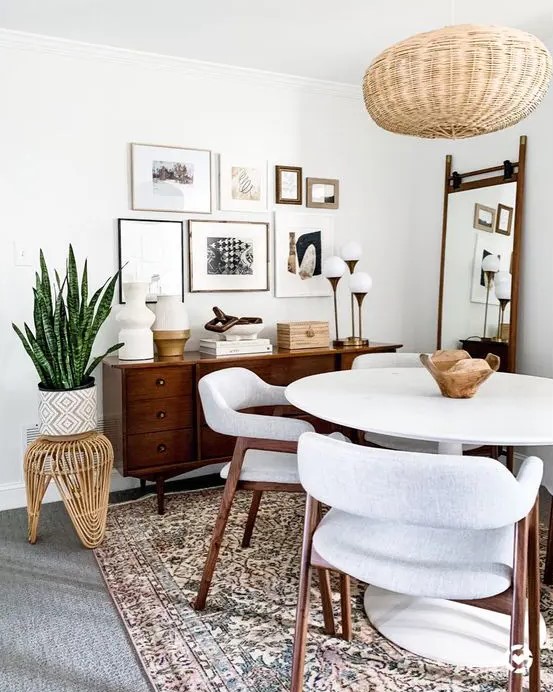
(23, 255)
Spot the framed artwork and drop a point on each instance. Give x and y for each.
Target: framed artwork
(302, 243)
(484, 246)
(484, 218)
(242, 184)
(228, 255)
(322, 193)
(152, 251)
(504, 219)
(288, 185)
(170, 178)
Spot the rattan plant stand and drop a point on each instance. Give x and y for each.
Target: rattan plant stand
(80, 466)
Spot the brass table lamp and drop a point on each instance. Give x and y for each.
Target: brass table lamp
(333, 269)
(351, 254)
(360, 284)
(490, 266)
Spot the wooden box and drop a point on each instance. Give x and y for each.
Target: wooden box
(298, 335)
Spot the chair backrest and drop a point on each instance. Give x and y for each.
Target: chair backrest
(225, 392)
(439, 491)
(387, 360)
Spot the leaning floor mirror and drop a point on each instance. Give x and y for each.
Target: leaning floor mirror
(481, 241)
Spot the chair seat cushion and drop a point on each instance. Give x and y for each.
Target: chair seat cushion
(405, 444)
(271, 467)
(415, 560)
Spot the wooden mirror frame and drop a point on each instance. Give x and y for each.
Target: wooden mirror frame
(457, 182)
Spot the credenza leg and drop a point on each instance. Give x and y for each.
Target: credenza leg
(160, 489)
(143, 484)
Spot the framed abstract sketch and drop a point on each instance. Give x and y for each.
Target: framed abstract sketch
(322, 193)
(242, 184)
(504, 219)
(288, 185)
(228, 255)
(484, 218)
(170, 179)
(152, 251)
(302, 243)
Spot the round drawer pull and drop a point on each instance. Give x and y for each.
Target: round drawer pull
(160, 414)
(160, 382)
(161, 448)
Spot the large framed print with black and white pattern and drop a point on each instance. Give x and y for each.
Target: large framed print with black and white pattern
(228, 255)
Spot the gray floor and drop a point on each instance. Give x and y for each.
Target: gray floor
(59, 630)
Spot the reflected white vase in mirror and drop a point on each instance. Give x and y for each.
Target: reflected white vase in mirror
(135, 320)
(171, 327)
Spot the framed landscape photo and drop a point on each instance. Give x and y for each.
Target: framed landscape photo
(228, 255)
(173, 179)
(151, 251)
(484, 218)
(242, 184)
(322, 193)
(288, 185)
(302, 243)
(504, 219)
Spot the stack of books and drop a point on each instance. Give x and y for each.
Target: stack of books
(214, 347)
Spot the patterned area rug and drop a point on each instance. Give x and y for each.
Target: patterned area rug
(243, 640)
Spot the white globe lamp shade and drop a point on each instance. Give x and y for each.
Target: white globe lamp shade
(360, 282)
(334, 267)
(503, 281)
(351, 251)
(490, 263)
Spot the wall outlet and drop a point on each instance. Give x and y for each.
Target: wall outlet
(23, 254)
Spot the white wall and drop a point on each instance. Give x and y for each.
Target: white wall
(68, 114)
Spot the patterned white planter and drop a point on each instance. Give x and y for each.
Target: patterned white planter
(68, 411)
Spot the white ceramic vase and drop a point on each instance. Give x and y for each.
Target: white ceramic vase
(135, 320)
(171, 326)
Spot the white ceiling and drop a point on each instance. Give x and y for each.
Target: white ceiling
(326, 39)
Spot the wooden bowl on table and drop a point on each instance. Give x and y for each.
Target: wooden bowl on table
(457, 374)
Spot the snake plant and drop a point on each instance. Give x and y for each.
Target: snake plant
(66, 324)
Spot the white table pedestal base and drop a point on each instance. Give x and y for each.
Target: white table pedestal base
(444, 631)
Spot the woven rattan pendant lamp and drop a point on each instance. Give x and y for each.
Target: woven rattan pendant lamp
(459, 81)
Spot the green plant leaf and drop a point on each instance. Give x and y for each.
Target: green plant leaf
(49, 379)
(45, 281)
(31, 354)
(99, 359)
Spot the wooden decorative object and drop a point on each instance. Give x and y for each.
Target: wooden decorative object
(81, 469)
(457, 374)
(459, 81)
(298, 335)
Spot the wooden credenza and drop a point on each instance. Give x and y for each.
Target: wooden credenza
(153, 415)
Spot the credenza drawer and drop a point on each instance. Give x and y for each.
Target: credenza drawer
(149, 383)
(153, 415)
(159, 449)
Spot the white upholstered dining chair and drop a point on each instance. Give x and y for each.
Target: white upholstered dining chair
(264, 456)
(398, 360)
(437, 526)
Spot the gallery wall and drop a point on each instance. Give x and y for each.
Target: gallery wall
(69, 113)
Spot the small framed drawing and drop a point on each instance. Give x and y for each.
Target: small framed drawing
(288, 185)
(242, 184)
(322, 193)
(170, 178)
(484, 218)
(504, 219)
(228, 255)
(151, 251)
(302, 243)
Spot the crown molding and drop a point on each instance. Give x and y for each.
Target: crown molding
(20, 40)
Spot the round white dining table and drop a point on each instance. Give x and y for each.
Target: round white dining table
(508, 409)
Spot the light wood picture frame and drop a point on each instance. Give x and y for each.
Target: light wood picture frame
(484, 218)
(228, 255)
(288, 185)
(170, 178)
(322, 193)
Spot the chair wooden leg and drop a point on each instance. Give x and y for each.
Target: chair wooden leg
(511, 459)
(326, 597)
(220, 524)
(518, 610)
(534, 597)
(548, 571)
(345, 602)
(302, 612)
(252, 515)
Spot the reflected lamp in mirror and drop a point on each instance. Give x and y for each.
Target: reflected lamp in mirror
(333, 269)
(503, 282)
(360, 284)
(490, 266)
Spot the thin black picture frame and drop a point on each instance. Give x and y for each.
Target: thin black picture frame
(120, 258)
